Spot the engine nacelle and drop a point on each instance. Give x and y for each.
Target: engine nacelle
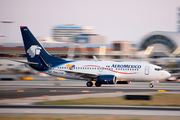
(123, 82)
(106, 79)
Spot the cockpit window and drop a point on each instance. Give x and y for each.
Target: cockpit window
(158, 69)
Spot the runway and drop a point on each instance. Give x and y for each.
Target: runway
(17, 97)
(35, 92)
(23, 89)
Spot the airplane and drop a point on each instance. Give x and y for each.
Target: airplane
(98, 72)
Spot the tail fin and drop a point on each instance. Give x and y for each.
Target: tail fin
(33, 48)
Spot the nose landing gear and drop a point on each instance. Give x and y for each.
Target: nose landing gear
(151, 85)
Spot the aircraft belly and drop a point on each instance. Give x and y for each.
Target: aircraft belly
(124, 76)
(149, 78)
(62, 74)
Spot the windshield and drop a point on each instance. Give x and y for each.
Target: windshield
(158, 69)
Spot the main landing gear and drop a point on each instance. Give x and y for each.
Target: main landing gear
(98, 84)
(90, 84)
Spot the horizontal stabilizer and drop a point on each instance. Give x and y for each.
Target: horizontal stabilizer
(30, 63)
(43, 62)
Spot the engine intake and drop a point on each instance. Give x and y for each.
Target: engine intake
(106, 79)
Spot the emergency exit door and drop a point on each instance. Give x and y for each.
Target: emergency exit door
(146, 70)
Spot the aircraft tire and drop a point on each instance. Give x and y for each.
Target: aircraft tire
(98, 84)
(151, 85)
(89, 84)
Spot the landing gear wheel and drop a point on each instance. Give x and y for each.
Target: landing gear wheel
(89, 84)
(151, 85)
(98, 84)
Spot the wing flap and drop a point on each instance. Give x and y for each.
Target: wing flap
(82, 74)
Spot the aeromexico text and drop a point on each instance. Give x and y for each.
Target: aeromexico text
(125, 66)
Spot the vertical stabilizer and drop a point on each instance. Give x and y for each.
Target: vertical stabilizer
(33, 48)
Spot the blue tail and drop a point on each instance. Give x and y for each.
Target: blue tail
(36, 53)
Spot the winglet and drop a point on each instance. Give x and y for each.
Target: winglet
(95, 59)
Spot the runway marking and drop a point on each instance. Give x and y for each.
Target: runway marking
(20, 90)
(53, 90)
(45, 96)
(85, 90)
(161, 90)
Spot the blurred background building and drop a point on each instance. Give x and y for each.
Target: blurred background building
(67, 32)
(89, 38)
(164, 43)
(178, 21)
(87, 45)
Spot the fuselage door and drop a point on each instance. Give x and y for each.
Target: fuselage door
(146, 70)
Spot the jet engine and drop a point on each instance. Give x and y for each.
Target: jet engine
(106, 79)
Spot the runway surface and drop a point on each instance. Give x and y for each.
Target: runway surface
(22, 89)
(17, 97)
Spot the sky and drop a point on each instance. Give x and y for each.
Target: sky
(124, 20)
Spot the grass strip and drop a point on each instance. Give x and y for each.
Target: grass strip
(162, 99)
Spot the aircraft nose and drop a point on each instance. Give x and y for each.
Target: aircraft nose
(167, 74)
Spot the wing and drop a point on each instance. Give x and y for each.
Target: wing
(82, 74)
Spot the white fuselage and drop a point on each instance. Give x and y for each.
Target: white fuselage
(132, 71)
